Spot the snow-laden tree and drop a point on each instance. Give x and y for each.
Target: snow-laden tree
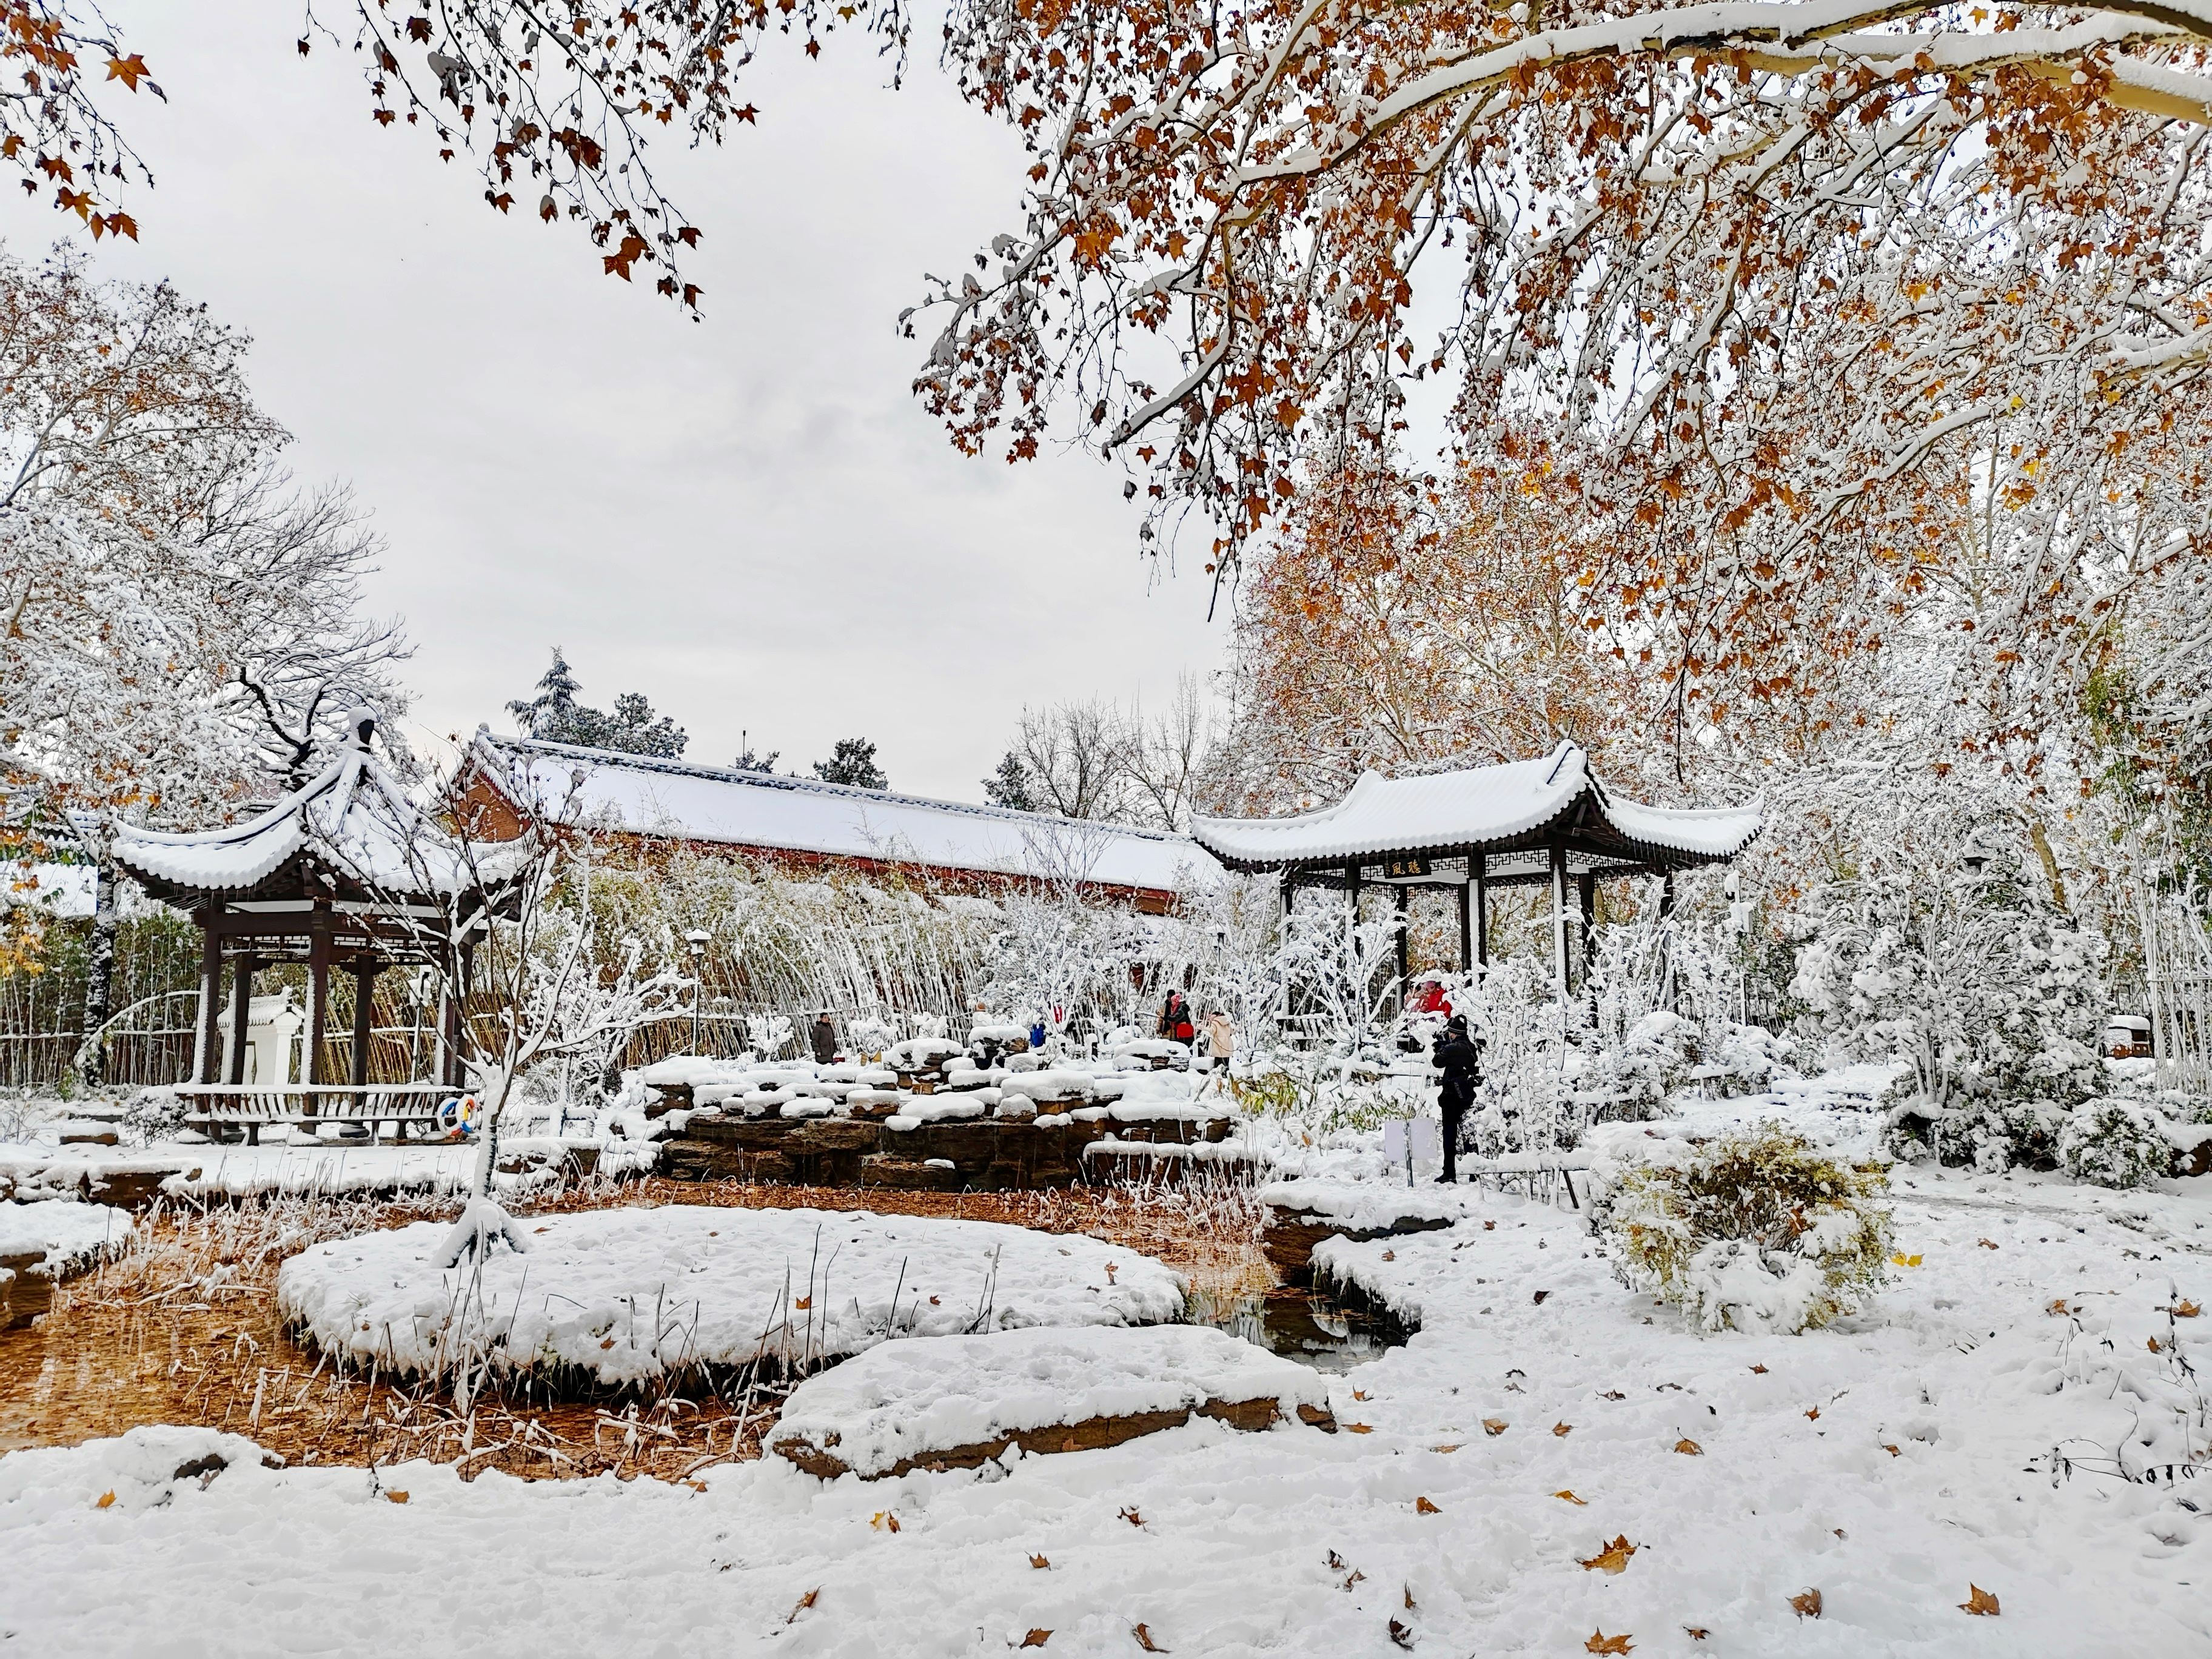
(181, 626)
(557, 714)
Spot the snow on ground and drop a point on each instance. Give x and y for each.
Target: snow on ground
(901, 1401)
(72, 1235)
(629, 1294)
(1890, 1461)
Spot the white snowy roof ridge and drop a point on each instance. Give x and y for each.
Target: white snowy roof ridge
(1471, 807)
(623, 759)
(644, 794)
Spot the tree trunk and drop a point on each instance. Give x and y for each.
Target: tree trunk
(99, 977)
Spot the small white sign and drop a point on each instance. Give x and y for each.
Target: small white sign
(1426, 1145)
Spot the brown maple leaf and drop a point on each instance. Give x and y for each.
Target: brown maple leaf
(1612, 1393)
(105, 1499)
(1401, 1635)
(1356, 1395)
(1986, 1243)
(1696, 1632)
(1494, 1426)
(397, 1497)
(1807, 1606)
(1571, 1498)
(1689, 1448)
(1613, 1558)
(1036, 1638)
(1145, 1640)
(2185, 1308)
(1409, 1598)
(1422, 1506)
(1600, 1643)
(1357, 1428)
(1040, 1562)
(1389, 1255)
(1452, 1447)
(1757, 1370)
(1131, 1516)
(1490, 1226)
(1892, 1450)
(1563, 1429)
(804, 1602)
(1979, 1602)
(2059, 1306)
(1813, 1415)
(884, 1519)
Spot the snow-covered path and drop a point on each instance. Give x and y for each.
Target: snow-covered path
(1295, 1542)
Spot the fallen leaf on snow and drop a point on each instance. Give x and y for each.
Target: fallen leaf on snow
(2058, 1307)
(2186, 1309)
(1401, 1635)
(1563, 1429)
(1335, 1561)
(1612, 1393)
(804, 1602)
(1892, 1451)
(1409, 1598)
(884, 1520)
(1689, 1448)
(1389, 1255)
(1357, 1428)
(1451, 1448)
(932, 1302)
(397, 1497)
(1356, 1395)
(1494, 1426)
(1600, 1643)
(1540, 1295)
(105, 1499)
(1145, 1640)
(1696, 1632)
(1813, 1415)
(803, 1302)
(1757, 1370)
(1613, 1558)
(1422, 1506)
(1356, 1577)
(1986, 1243)
(1979, 1600)
(1131, 1516)
(1036, 1638)
(1490, 1226)
(1906, 1260)
(2154, 1346)
(609, 1343)
(1807, 1606)
(696, 1485)
(1571, 1498)
(1039, 1562)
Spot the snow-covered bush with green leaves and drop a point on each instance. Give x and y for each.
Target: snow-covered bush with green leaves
(1977, 980)
(1757, 1231)
(2116, 1142)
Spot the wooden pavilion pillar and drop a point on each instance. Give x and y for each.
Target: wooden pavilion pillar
(1481, 863)
(1587, 884)
(1667, 940)
(206, 1042)
(318, 1003)
(1466, 928)
(364, 1008)
(1559, 920)
(1405, 929)
(241, 1010)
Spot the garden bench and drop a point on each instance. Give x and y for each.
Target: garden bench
(218, 1108)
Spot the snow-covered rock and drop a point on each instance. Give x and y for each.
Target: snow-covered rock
(68, 1236)
(623, 1296)
(955, 1401)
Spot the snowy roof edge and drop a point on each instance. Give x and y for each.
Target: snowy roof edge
(623, 759)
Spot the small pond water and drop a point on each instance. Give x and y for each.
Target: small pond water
(1307, 1326)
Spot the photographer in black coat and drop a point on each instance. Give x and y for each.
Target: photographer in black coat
(1460, 1059)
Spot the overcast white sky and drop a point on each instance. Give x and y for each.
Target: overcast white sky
(749, 519)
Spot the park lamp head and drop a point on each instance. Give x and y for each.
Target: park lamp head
(695, 942)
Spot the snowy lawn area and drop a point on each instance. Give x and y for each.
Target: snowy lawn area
(1229, 1544)
(627, 1295)
(950, 1399)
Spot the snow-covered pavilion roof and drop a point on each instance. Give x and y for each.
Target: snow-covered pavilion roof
(1519, 804)
(353, 816)
(644, 795)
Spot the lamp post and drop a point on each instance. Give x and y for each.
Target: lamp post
(695, 942)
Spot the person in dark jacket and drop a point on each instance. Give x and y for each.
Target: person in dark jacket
(825, 1040)
(1175, 1021)
(1460, 1060)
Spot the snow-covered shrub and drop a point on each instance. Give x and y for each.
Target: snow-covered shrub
(1976, 979)
(870, 1034)
(153, 1114)
(2116, 1142)
(1756, 1231)
(771, 1033)
(1532, 1096)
